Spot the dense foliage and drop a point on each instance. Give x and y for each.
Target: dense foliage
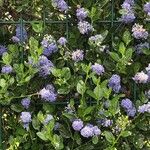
(75, 75)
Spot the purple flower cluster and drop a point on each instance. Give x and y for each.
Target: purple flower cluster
(77, 55)
(7, 69)
(62, 41)
(144, 108)
(139, 32)
(49, 45)
(26, 103)
(85, 27)
(105, 122)
(90, 130)
(25, 119)
(140, 47)
(44, 66)
(128, 107)
(21, 34)
(60, 4)
(81, 14)
(48, 94)
(96, 40)
(114, 83)
(77, 124)
(48, 118)
(86, 131)
(147, 8)
(98, 69)
(127, 12)
(3, 49)
(141, 77)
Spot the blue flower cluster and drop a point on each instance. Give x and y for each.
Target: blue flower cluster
(3, 49)
(81, 14)
(105, 122)
(98, 69)
(142, 77)
(61, 5)
(21, 34)
(114, 83)
(49, 45)
(25, 119)
(139, 32)
(26, 103)
(85, 27)
(87, 130)
(140, 47)
(62, 41)
(128, 107)
(77, 55)
(48, 94)
(7, 69)
(144, 108)
(147, 8)
(44, 66)
(128, 15)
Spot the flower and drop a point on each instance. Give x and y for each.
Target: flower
(25, 117)
(60, 4)
(85, 27)
(131, 112)
(142, 46)
(141, 77)
(87, 131)
(62, 41)
(21, 34)
(96, 130)
(49, 117)
(3, 49)
(48, 94)
(139, 32)
(114, 83)
(127, 12)
(128, 107)
(7, 69)
(25, 103)
(98, 69)
(49, 45)
(105, 122)
(44, 66)
(144, 108)
(96, 40)
(77, 55)
(77, 124)
(126, 103)
(81, 14)
(147, 7)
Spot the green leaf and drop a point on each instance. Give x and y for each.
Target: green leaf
(125, 133)
(66, 73)
(57, 142)
(128, 53)
(122, 48)
(88, 110)
(95, 139)
(98, 91)
(7, 58)
(127, 37)
(91, 93)
(3, 83)
(42, 136)
(36, 123)
(40, 116)
(37, 27)
(114, 56)
(109, 136)
(16, 107)
(81, 88)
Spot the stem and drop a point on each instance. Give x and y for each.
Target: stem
(22, 96)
